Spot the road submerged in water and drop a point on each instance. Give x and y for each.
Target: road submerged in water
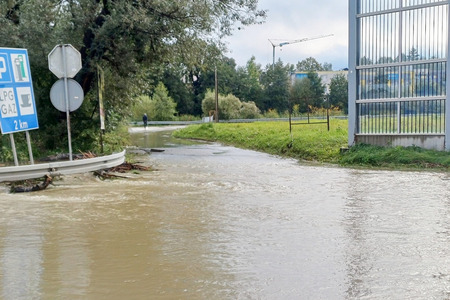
(217, 222)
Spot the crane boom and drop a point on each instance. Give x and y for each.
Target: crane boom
(274, 45)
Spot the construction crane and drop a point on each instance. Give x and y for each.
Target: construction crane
(274, 45)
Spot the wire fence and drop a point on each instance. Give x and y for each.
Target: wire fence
(402, 66)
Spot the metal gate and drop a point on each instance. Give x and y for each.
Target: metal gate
(398, 72)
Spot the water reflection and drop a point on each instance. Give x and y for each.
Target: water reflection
(398, 232)
(216, 222)
(21, 259)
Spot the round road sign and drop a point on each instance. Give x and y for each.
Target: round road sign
(75, 96)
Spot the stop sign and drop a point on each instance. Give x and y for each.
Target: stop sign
(64, 56)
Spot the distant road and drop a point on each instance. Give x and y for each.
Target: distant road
(185, 123)
(155, 128)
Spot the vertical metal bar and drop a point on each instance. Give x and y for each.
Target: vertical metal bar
(372, 129)
(216, 87)
(375, 118)
(377, 38)
(424, 115)
(381, 117)
(417, 124)
(431, 116)
(354, 42)
(428, 19)
(400, 68)
(30, 151)
(13, 147)
(389, 128)
(447, 111)
(66, 96)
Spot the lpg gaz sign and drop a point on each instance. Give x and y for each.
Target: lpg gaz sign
(17, 105)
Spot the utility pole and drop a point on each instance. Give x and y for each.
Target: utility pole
(274, 45)
(216, 119)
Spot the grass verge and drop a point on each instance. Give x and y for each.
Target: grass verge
(308, 142)
(315, 143)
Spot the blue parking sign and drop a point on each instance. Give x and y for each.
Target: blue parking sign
(17, 103)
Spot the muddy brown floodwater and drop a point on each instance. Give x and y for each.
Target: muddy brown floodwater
(216, 222)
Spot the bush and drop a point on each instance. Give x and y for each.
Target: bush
(209, 102)
(159, 107)
(271, 114)
(230, 107)
(249, 110)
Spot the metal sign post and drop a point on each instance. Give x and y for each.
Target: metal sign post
(13, 146)
(66, 98)
(65, 61)
(101, 87)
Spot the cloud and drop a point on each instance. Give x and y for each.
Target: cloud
(292, 20)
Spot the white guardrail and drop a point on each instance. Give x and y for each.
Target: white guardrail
(61, 168)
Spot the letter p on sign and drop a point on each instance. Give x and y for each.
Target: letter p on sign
(2, 66)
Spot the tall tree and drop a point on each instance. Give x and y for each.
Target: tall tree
(301, 94)
(339, 92)
(308, 91)
(162, 107)
(309, 64)
(317, 88)
(132, 41)
(276, 87)
(250, 88)
(175, 79)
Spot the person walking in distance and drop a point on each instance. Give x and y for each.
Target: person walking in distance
(145, 120)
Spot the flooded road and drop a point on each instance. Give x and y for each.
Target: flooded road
(216, 222)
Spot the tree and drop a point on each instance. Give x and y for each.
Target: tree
(308, 91)
(364, 61)
(141, 105)
(162, 107)
(159, 107)
(300, 95)
(317, 89)
(228, 81)
(385, 60)
(413, 54)
(309, 64)
(275, 81)
(327, 66)
(249, 79)
(179, 89)
(338, 96)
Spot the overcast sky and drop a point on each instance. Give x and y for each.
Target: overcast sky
(292, 20)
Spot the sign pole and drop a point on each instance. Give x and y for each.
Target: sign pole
(65, 61)
(13, 146)
(66, 96)
(30, 151)
(100, 87)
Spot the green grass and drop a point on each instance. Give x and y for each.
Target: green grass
(308, 142)
(396, 157)
(315, 143)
